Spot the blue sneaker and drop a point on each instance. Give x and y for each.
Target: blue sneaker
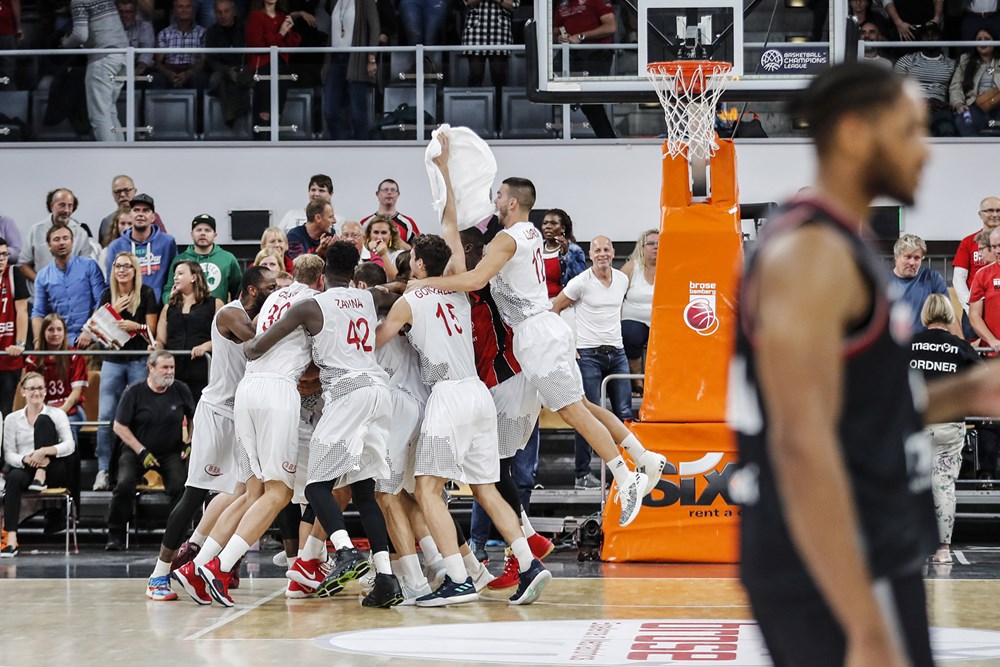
(532, 581)
(158, 589)
(450, 593)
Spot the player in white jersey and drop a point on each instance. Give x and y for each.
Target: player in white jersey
(458, 437)
(394, 493)
(543, 343)
(213, 462)
(267, 416)
(349, 442)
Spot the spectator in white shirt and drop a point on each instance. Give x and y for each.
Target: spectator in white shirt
(38, 446)
(597, 295)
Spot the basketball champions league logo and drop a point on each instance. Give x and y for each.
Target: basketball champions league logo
(699, 314)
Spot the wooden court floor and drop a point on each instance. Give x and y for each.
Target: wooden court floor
(89, 609)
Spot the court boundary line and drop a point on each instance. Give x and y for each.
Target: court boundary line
(229, 619)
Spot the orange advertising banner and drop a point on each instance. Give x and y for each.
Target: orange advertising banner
(688, 517)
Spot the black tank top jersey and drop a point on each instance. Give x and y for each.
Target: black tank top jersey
(888, 458)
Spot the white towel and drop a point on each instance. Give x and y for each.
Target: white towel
(473, 171)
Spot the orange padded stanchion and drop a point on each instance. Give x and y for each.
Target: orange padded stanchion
(692, 335)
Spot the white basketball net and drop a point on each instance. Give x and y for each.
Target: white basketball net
(689, 103)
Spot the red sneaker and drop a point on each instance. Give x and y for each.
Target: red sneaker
(192, 583)
(217, 582)
(184, 555)
(308, 573)
(511, 576)
(235, 583)
(540, 546)
(297, 591)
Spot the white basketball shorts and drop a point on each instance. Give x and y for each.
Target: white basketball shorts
(458, 438)
(544, 346)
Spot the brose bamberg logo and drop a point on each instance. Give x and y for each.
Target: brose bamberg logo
(700, 314)
(701, 483)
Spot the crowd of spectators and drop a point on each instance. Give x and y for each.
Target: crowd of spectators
(163, 300)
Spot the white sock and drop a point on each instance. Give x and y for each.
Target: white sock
(209, 550)
(381, 562)
(472, 566)
(197, 538)
(455, 568)
(526, 524)
(409, 566)
(341, 540)
(235, 549)
(431, 552)
(395, 567)
(619, 470)
(522, 552)
(314, 548)
(162, 569)
(291, 561)
(632, 445)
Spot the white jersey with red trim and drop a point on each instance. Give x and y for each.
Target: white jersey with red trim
(228, 365)
(344, 350)
(441, 334)
(519, 288)
(290, 355)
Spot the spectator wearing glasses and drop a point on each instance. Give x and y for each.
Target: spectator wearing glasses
(637, 309)
(968, 260)
(39, 448)
(122, 189)
(388, 195)
(137, 305)
(13, 327)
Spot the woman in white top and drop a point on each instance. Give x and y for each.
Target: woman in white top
(39, 448)
(638, 306)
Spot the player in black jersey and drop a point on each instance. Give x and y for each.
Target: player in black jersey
(838, 518)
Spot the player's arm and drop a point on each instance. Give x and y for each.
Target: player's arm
(383, 299)
(799, 341)
(449, 218)
(501, 249)
(399, 316)
(235, 325)
(306, 314)
(561, 303)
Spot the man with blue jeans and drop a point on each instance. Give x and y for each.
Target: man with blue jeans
(597, 294)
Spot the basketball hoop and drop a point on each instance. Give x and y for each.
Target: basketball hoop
(689, 91)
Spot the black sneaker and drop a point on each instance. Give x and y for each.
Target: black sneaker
(531, 583)
(450, 593)
(36, 486)
(348, 564)
(385, 593)
(8, 551)
(114, 543)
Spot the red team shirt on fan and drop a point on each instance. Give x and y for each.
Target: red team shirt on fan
(12, 288)
(59, 387)
(987, 286)
(582, 15)
(553, 272)
(968, 257)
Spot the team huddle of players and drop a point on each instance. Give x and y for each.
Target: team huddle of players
(348, 388)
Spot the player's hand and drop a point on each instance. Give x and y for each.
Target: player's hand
(442, 160)
(147, 459)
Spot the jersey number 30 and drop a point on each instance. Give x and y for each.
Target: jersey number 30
(357, 334)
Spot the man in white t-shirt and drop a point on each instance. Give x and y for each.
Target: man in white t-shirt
(597, 295)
